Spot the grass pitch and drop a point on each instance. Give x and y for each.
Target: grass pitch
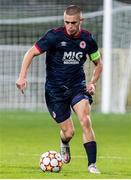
(24, 136)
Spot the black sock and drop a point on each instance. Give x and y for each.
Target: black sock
(91, 151)
(65, 141)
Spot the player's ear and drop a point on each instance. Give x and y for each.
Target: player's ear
(81, 20)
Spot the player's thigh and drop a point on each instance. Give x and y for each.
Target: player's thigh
(82, 110)
(82, 107)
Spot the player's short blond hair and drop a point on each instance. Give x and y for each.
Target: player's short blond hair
(73, 10)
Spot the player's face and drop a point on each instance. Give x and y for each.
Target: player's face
(72, 24)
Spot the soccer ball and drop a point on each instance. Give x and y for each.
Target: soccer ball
(51, 161)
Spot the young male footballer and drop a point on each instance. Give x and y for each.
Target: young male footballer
(66, 50)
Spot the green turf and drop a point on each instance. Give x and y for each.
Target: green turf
(24, 136)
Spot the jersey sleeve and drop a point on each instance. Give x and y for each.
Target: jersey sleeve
(93, 52)
(45, 42)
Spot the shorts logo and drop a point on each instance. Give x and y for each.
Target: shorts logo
(72, 57)
(83, 44)
(54, 114)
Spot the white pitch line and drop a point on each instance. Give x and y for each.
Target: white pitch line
(75, 157)
(103, 157)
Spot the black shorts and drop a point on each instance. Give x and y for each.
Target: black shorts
(59, 101)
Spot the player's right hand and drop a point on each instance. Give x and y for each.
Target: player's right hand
(21, 84)
(90, 88)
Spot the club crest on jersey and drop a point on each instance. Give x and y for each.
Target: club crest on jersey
(72, 57)
(83, 44)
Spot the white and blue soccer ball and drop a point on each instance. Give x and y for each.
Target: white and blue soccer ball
(51, 161)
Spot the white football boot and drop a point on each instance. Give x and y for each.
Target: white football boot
(65, 153)
(93, 169)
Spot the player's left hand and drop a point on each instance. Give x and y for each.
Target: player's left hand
(91, 88)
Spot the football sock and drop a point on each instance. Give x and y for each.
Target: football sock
(65, 141)
(91, 151)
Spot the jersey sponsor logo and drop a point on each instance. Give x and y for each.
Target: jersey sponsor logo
(83, 44)
(72, 57)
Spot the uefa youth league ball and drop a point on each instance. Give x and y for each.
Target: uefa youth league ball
(51, 161)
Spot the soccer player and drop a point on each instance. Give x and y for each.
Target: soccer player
(66, 50)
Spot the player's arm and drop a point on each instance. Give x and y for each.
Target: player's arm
(96, 59)
(21, 83)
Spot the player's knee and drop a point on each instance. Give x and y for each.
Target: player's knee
(85, 122)
(69, 133)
